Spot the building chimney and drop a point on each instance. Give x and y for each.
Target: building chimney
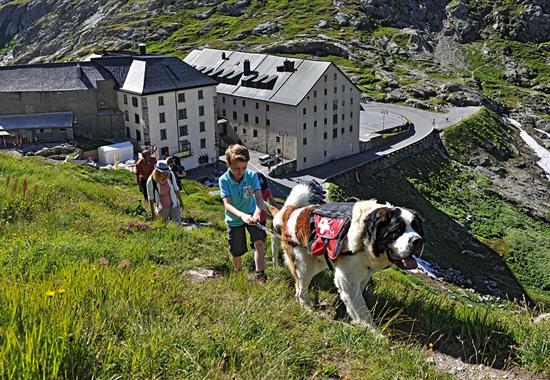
(142, 49)
(78, 71)
(223, 55)
(288, 65)
(246, 67)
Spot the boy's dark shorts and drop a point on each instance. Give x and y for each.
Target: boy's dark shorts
(237, 238)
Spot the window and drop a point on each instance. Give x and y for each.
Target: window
(161, 100)
(351, 115)
(136, 118)
(334, 105)
(343, 102)
(314, 108)
(185, 149)
(325, 136)
(326, 106)
(304, 111)
(163, 134)
(267, 122)
(305, 125)
(257, 105)
(126, 116)
(305, 159)
(342, 130)
(224, 113)
(201, 95)
(234, 102)
(278, 139)
(325, 153)
(343, 116)
(244, 103)
(335, 89)
(335, 118)
(202, 126)
(351, 128)
(343, 88)
(181, 98)
(315, 124)
(335, 76)
(325, 78)
(326, 92)
(125, 99)
(244, 131)
(314, 93)
(325, 121)
(267, 107)
(162, 117)
(235, 129)
(223, 99)
(203, 143)
(182, 114)
(278, 150)
(128, 132)
(246, 118)
(304, 141)
(256, 119)
(183, 130)
(201, 110)
(134, 101)
(234, 115)
(335, 133)
(351, 101)
(164, 151)
(138, 135)
(255, 133)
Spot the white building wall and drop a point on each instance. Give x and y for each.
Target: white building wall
(131, 109)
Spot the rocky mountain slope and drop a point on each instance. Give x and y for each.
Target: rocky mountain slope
(425, 53)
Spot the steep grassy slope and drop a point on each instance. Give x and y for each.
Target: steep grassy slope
(89, 287)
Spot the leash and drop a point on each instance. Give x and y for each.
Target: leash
(264, 228)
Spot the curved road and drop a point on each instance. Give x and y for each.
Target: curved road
(424, 122)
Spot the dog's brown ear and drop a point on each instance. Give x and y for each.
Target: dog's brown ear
(272, 209)
(373, 223)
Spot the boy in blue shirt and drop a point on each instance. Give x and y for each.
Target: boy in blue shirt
(243, 202)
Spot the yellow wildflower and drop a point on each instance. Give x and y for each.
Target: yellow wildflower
(50, 293)
(431, 345)
(61, 290)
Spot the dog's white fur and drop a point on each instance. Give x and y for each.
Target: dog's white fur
(351, 273)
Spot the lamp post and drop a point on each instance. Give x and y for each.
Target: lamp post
(384, 112)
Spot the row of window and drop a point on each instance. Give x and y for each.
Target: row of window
(184, 130)
(181, 98)
(184, 145)
(304, 140)
(268, 121)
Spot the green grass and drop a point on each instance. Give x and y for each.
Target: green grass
(90, 288)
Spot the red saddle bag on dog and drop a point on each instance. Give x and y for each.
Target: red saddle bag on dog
(329, 226)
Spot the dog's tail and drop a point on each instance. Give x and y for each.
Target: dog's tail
(305, 194)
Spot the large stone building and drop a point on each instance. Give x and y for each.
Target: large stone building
(83, 88)
(166, 103)
(300, 109)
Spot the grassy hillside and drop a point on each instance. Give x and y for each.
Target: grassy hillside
(89, 287)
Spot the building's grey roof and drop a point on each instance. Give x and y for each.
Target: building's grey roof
(150, 74)
(36, 120)
(268, 82)
(69, 76)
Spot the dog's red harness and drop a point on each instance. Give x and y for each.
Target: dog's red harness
(329, 225)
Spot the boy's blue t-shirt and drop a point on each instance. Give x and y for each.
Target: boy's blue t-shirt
(241, 195)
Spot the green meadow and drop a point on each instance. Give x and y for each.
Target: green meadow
(91, 288)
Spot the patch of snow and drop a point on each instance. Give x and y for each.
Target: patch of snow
(540, 151)
(543, 132)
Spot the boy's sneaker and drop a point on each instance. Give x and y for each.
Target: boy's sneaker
(261, 277)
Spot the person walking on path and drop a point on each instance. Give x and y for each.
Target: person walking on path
(163, 194)
(144, 168)
(243, 202)
(177, 169)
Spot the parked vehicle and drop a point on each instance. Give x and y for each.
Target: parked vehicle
(268, 159)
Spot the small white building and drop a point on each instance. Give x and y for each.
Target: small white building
(302, 110)
(167, 104)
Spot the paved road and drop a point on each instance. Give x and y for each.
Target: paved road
(424, 122)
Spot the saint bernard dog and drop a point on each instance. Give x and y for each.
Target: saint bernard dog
(379, 235)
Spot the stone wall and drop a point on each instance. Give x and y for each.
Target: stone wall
(283, 168)
(359, 173)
